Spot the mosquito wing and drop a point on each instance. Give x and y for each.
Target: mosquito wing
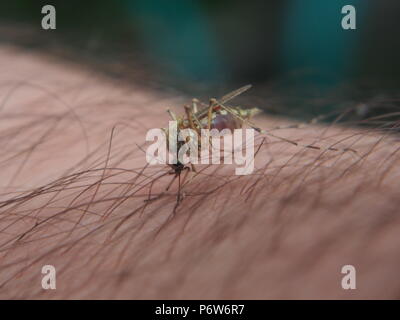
(201, 113)
(233, 94)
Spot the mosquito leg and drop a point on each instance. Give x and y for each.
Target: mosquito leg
(172, 114)
(209, 119)
(182, 183)
(178, 196)
(189, 113)
(193, 169)
(284, 139)
(312, 146)
(193, 113)
(194, 105)
(173, 179)
(197, 121)
(209, 114)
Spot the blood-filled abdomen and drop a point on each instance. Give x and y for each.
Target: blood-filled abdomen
(225, 121)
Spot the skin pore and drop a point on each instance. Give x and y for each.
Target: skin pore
(74, 185)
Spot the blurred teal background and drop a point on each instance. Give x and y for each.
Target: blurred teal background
(292, 48)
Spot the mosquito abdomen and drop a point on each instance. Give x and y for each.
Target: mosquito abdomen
(225, 121)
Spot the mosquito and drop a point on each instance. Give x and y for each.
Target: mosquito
(217, 114)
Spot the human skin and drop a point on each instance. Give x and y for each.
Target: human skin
(74, 185)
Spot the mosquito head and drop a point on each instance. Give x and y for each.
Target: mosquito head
(178, 167)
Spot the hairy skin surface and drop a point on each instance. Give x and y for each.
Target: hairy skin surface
(74, 198)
